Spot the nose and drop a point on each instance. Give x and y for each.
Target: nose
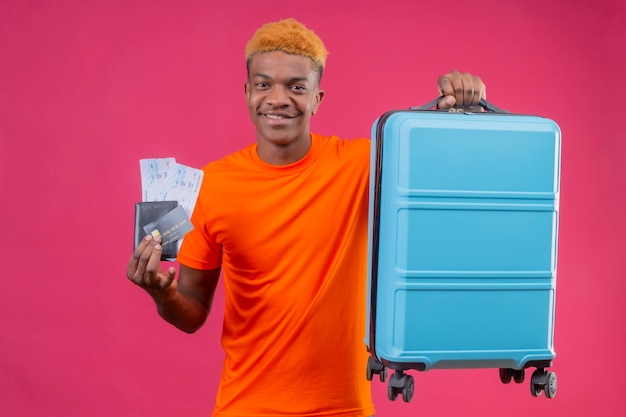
(277, 96)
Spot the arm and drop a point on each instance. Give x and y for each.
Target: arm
(460, 90)
(185, 302)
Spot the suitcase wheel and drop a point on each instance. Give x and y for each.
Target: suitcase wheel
(517, 375)
(401, 383)
(375, 367)
(550, 387)
(506, 374)
(543, 381)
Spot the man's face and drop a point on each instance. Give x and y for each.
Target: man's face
(282, 93)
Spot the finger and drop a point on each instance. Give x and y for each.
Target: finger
(145, 274)
(135, 259)
(466, 90)
(478, 88)
(444, 84)
(481, 91)
(457, 87)
(153, 272)
(446, 90)
(476, 97)
(156, 278)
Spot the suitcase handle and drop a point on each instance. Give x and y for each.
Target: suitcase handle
(483, 103)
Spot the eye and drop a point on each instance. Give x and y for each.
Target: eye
(298, 88)
(261, 85)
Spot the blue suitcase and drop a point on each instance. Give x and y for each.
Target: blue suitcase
(462, 245)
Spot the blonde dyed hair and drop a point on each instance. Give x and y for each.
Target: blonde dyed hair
(289, 36)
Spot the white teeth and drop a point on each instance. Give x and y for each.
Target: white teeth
(273, 116)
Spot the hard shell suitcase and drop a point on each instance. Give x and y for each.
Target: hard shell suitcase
(462, 245)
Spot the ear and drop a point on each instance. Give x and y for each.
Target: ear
(317, 100)
(246, 89)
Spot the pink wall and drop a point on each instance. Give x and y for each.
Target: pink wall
(87, 88)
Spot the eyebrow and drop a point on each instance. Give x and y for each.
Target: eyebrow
(291, 80)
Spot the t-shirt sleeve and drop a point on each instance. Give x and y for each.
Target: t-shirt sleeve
(199, 250)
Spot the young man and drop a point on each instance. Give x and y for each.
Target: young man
(285, 220)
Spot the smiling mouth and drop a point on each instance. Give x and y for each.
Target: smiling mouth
(277, 116)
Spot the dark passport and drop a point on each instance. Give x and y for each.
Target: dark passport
(148, 212)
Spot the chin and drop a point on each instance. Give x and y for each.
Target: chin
(280, 141)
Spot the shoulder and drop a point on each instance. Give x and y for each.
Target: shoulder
(344, 155)
(345, 146)
(238, 159)
(226, 175)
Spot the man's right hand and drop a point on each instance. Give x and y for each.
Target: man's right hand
(144, 268)
(184, 302)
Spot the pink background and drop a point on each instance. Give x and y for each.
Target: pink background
(87, 88)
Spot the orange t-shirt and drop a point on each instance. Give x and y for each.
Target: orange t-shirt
(292, 243)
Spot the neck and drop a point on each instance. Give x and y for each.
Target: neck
(283, 154)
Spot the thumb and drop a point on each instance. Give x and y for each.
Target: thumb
(169, 278)
(446, 102)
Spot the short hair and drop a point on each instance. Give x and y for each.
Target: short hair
(289, 36)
